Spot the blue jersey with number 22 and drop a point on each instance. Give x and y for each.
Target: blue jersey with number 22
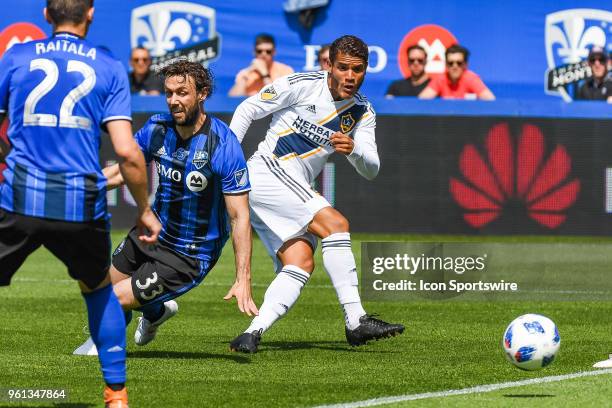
(57, 93)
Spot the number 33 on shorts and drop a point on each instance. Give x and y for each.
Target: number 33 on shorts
(156, 291)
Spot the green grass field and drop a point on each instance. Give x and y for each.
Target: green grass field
(304, 360)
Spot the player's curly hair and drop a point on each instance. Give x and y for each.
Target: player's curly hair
(350, 45)
(202, 77)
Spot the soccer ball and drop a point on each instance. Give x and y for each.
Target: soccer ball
(531, 341)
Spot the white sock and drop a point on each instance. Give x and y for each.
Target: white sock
(282, 293)
(339, 262)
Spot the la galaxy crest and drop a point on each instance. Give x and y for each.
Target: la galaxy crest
(269, 94)
(347, 122)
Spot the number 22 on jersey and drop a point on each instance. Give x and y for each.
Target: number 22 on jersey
(66, 118)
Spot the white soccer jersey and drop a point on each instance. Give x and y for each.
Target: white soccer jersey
(305, 117)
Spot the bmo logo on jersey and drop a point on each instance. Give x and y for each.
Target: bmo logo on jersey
(196, 181)
(168, 172)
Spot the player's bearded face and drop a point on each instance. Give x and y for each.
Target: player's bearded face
(183, 100)
(347, 75)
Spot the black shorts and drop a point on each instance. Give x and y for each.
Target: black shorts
(84, 247)
(158, 273)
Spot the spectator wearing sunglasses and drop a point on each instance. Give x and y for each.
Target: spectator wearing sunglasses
(142, 80)
(263, 69)
(598, 87)
(418, 79)
(458, 82)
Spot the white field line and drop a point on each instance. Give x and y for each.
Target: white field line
(472, 390)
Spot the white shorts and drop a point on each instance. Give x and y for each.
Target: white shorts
(282, 204)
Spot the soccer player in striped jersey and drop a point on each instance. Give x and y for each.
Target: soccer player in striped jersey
(203, 178)
(58, 92)
(314, 115)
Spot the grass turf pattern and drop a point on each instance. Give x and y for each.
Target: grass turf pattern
(304, 359)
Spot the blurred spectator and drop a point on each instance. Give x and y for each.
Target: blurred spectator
(418, 80)
(263, 69)
(459, 82)
(598, 87)
(142, 80)
(323, 57)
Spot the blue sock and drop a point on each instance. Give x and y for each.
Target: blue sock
(127, 314)
(153, 311)
(107, 329)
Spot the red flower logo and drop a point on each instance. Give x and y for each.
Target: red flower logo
(507, 177)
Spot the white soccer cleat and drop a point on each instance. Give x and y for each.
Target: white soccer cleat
(86, 349)
(604, 363)
(146, 330)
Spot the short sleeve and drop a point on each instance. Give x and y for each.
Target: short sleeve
(5, 79)
(118, 102)
(476, 84)
(229, 164)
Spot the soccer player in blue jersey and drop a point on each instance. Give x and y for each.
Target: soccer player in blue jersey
(203, 179)
(58, 92)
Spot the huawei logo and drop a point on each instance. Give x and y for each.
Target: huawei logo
(516, 177)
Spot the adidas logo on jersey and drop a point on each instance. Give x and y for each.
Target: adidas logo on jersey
(162, 151)
(312, 109)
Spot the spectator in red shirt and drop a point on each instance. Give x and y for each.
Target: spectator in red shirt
(459, 82)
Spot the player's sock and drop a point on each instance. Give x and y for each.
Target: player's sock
(339, 262)
(107, 329)
(153, 312)
(282, 293)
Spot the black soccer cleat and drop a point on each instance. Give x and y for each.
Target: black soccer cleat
(371, 328)
(246, 342)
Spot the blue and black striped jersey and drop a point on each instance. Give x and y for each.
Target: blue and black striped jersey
(194, 174)
(58, 92)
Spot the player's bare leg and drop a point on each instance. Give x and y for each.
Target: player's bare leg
(339, 262)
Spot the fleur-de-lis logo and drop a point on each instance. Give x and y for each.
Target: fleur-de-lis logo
(160, 33)
(575, 41)
(569, 35)
(167, 26)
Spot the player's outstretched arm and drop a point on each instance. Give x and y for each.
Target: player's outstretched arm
(133, 171)
(271, 98)
(238, 209)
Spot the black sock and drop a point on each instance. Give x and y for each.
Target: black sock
(116, 387)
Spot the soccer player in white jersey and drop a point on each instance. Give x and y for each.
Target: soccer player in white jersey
(314, 115)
